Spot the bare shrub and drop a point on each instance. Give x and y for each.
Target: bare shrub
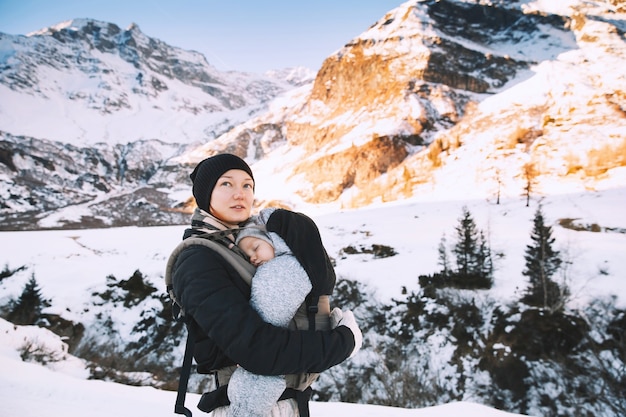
(35, 351)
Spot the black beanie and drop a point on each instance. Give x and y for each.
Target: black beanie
(208, 171)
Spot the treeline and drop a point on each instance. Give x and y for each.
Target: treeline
(450, 340)
(468, 264)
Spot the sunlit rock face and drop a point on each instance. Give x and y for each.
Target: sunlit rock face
(409, 82)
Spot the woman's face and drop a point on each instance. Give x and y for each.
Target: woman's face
(232, 197)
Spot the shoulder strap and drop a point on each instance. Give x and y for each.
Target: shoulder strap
(185, 371)
(244, 268)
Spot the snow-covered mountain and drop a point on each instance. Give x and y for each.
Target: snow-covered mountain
(89, 113)
(436, 99)
(454, 98)
(85, 81)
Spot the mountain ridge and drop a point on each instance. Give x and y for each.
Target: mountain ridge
(97, 71)
(353, 110)
(412, 108)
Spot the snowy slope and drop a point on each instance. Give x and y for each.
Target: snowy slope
(70, 265)
(556, 106)
(412, 107)
(413, 228)
(31, 390)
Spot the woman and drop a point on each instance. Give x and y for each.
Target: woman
(228, 330)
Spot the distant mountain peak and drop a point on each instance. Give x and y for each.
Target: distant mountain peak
(78, 25)
(120, 85)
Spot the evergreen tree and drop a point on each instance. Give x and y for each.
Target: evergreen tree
(27, 309)
(484, 260)
(542, 262)
(465, 249)
(472, 254)
(444, 262)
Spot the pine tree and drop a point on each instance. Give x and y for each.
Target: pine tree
(499, 182)
(484, 260)
(472, 254)
(542, 262)
(465, 249)
(444, 262)
(27, 309)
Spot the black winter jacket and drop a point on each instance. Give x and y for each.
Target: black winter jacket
(229, 331)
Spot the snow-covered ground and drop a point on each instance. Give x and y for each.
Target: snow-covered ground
(67, 263)
(31, 390)
(70, 264)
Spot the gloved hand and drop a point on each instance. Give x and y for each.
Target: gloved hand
(346, 318)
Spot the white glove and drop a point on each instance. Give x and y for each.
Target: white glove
(346, 318)
(335, 317)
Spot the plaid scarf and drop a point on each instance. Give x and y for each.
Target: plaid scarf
(203, 222)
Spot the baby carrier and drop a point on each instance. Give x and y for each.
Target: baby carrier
(300, 233)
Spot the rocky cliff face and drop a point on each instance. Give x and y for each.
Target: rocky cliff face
(390, 111)
(102, 186)
(421, 66)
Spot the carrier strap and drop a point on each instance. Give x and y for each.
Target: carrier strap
(185, 371)
(302, 399)
(312, 309)
(219, 398)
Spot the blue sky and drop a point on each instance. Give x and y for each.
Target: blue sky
(250, 35)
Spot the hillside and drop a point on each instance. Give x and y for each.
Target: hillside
(107, 299)
(514, 98)
(506, 95)
(36, 390)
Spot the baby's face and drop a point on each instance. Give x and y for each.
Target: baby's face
(258, 250)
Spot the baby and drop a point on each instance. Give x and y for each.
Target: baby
(279, 286)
